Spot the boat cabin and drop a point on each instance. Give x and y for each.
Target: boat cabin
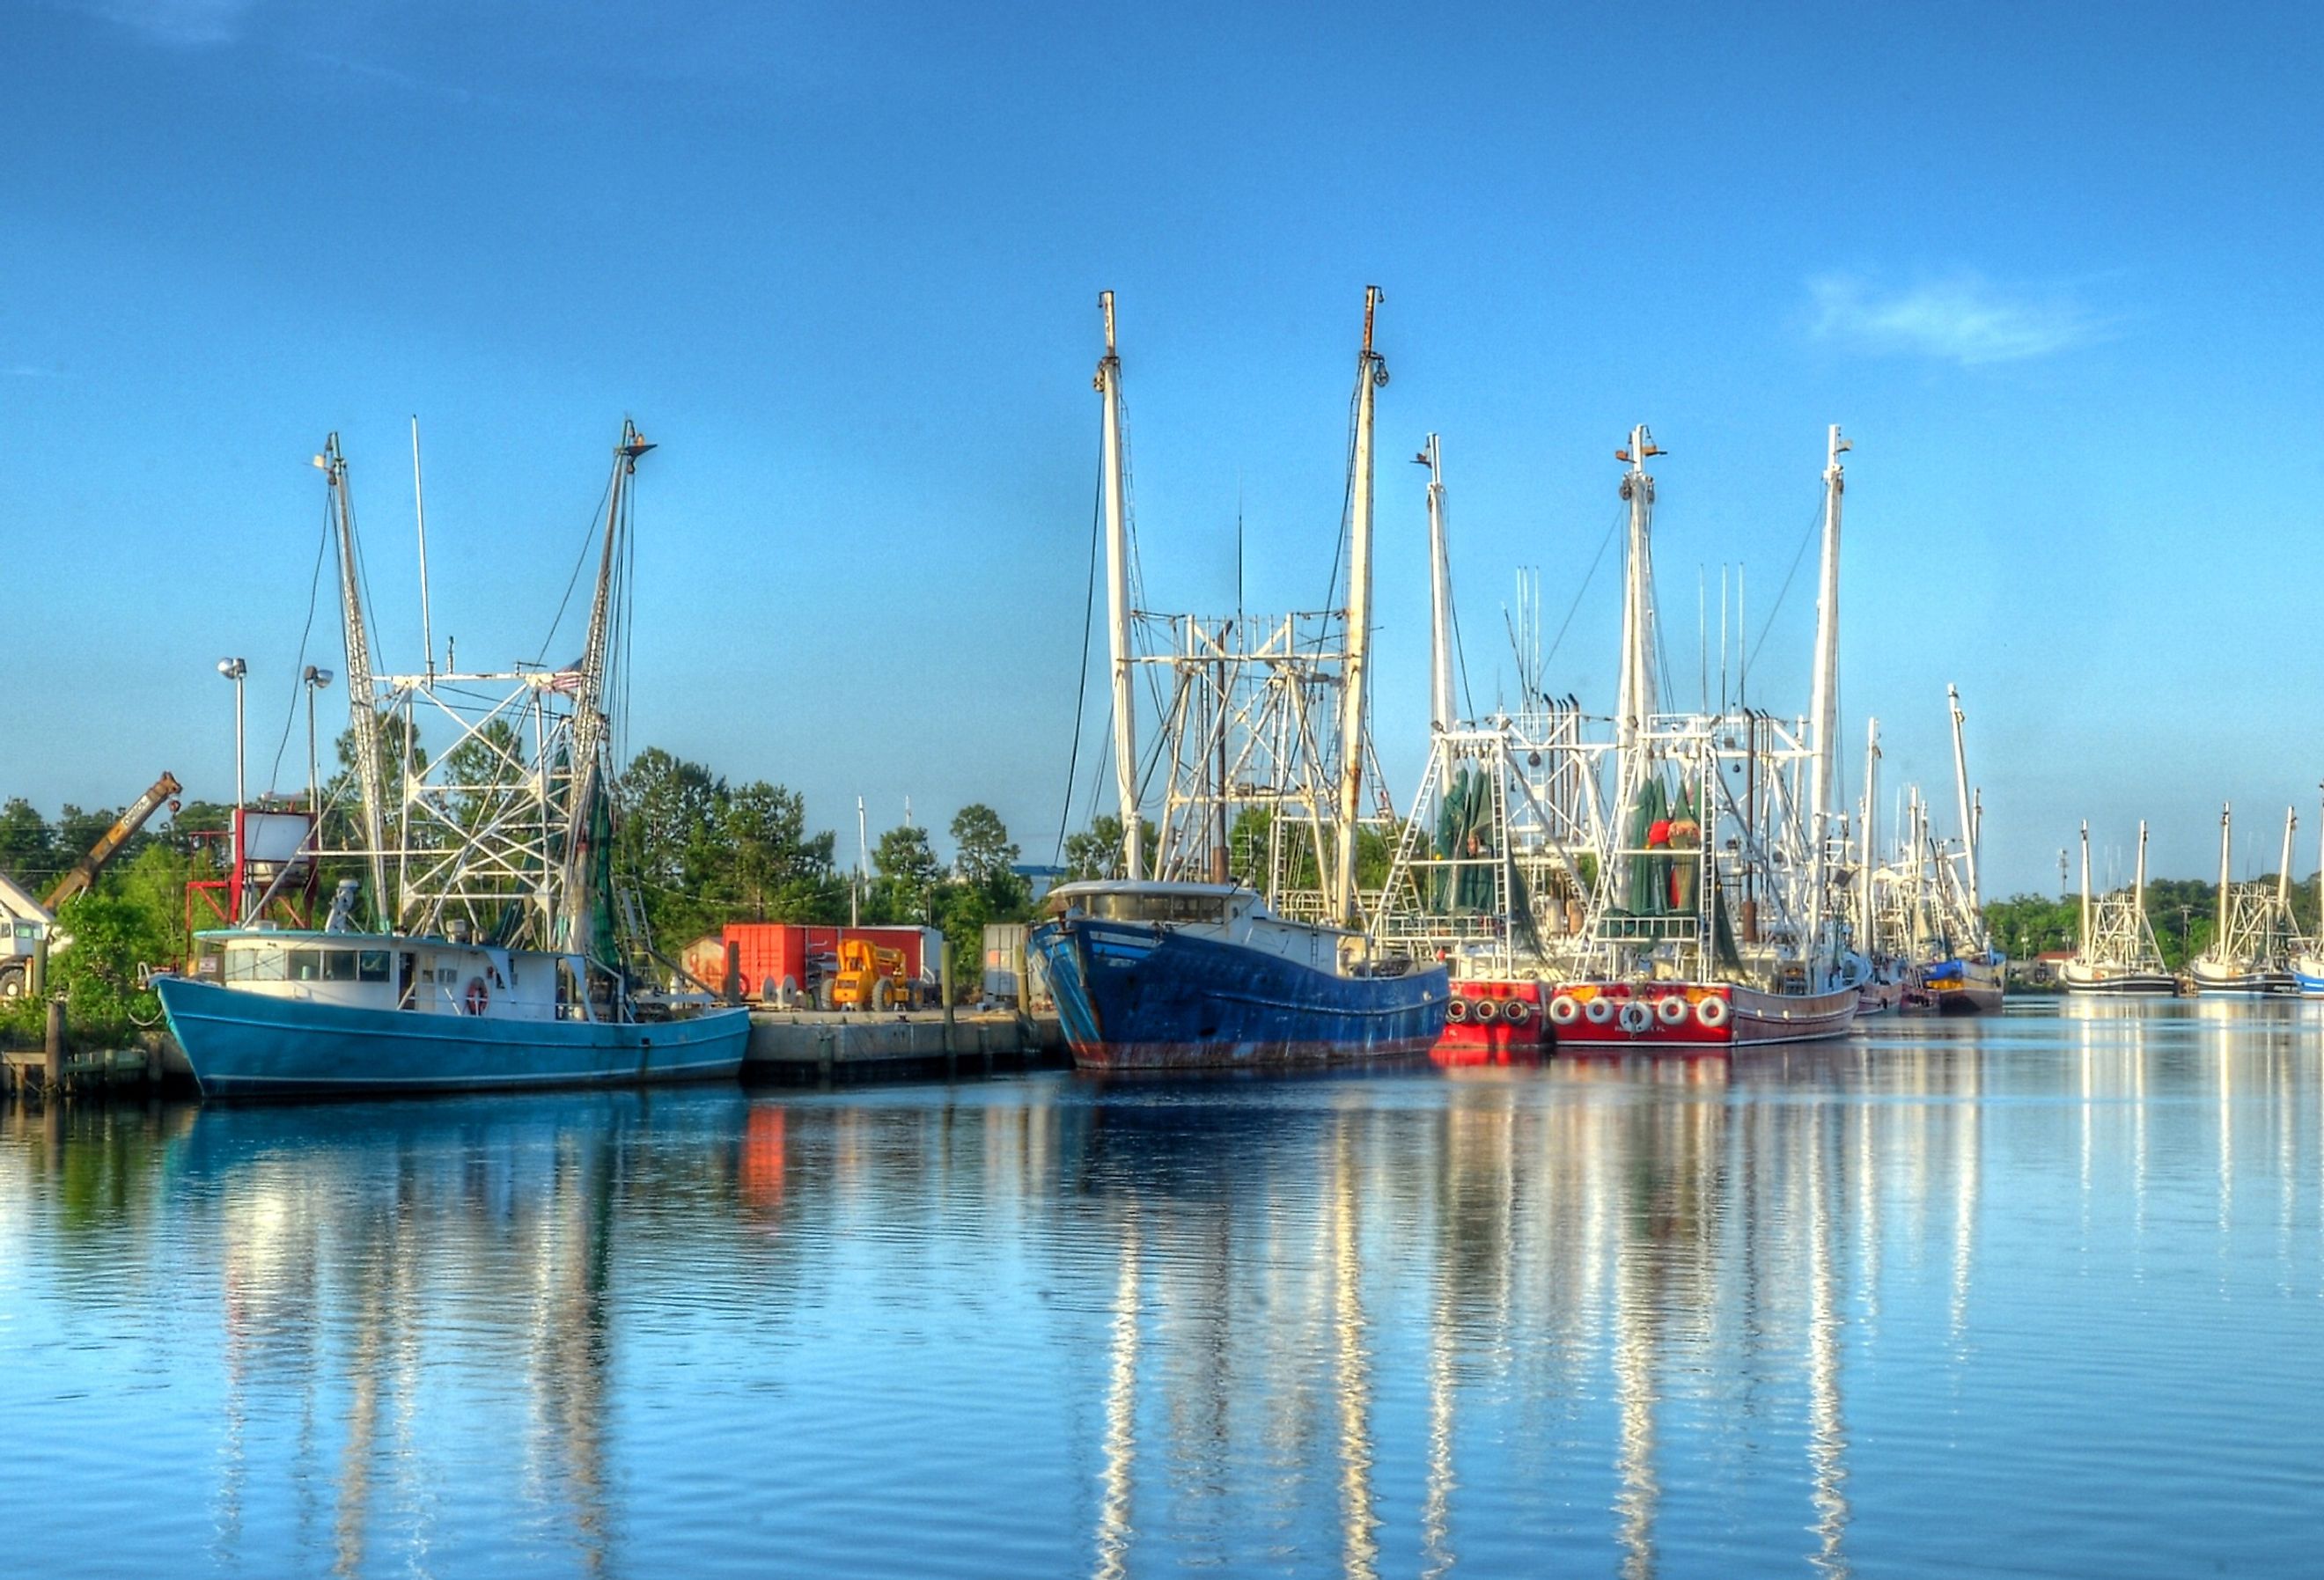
(366, 971)
(1226, 911)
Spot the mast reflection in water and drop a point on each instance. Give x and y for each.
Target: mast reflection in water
(2037, 1291)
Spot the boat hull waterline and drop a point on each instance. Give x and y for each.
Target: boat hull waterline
(1963, 987)
(1695, 1018)
(247, 1045)
(1138, 997)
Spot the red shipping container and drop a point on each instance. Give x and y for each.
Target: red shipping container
(773, 952)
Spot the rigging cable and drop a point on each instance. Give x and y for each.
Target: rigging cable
(1080, 693)
(1582, 591)
(1768, 624)
(314, 593)
(587, 538)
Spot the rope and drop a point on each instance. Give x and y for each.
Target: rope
(314, 591)
(1081, 693)
(1584, 590)
(1768, 625)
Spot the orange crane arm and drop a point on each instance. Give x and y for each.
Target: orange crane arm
(85, 870)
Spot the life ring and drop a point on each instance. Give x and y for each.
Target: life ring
(1711, 1011)
(1672, 1010)
(1635, 1017)
(1486, 1011)
(1600, 1010)
(1457, 1012)
(1517, 1011)
(477, 996)
(1564, 1008)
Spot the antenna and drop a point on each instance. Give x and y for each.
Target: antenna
(419, 509)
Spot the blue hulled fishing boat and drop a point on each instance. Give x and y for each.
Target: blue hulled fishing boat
(320, 1013)
(1155, 973)
(489, 949)
(1167, 975)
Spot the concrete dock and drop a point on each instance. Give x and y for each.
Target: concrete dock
(840, 1046)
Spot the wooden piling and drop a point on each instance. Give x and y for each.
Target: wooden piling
(943, 987)
(734, 973)
(52, 1068)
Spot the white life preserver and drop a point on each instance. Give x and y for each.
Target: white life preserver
(1600, 1010)
(1672, 1010)
(1711, 1011)
(477, 996)
(1485, 1012)
(1564, 1009)
(1517, 1011)
(1635, 1017)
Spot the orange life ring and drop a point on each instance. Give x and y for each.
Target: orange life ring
(477, 996)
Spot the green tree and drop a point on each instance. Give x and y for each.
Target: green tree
(906, 875)
(98, 976)
(1096, 851)
(28, 845)
(987, 861)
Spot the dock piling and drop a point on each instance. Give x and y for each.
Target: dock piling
(52, 1067)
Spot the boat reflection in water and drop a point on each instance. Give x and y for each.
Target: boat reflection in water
(1657, 1317)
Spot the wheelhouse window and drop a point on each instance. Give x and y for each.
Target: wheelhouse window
(1135, 907)
(370, 965)
(306, 964)
(264, 963)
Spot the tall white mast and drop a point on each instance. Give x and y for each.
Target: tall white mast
(1446, 711)
(2138, 885)
(1371, 372)
(363, 712)
(2283, 871)
(591, 728)
(1117, 606)
(2226, 817)
(1824, 706)
(420, 510)
(1870, 846)
(1969, 819)
(1635, 692)
(2083, 938)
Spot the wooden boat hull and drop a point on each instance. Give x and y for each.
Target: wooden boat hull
(1138, 996)
(1693, 1018)
(1962, 986)
(251, 1045)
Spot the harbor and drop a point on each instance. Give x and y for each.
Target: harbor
(1117, 792)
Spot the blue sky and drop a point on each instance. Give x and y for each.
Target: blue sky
(2053, 272)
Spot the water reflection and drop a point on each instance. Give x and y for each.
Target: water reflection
(1652, 1317)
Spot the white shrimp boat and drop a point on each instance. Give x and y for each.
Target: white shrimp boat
(2115, 954)
(493, 957)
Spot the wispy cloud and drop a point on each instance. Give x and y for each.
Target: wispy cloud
(1966, 318)
(176, 23)
(25, 370)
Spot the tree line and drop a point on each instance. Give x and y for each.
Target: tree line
(699, 850)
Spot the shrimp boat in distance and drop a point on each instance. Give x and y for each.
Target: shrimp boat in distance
(498, 954)
(2115, 954)
(2257, 943)
(1171, 971)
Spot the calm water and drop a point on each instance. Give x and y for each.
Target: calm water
(2039, 1296)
